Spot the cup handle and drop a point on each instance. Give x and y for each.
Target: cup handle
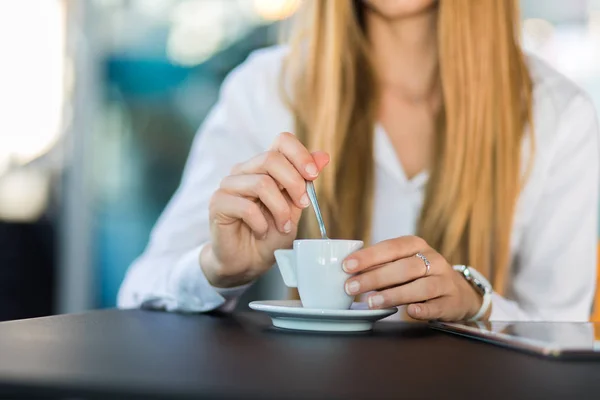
(287, 267)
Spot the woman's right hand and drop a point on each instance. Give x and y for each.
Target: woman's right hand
(256, 211)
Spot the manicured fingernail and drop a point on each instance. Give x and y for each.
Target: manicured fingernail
(304, 200)
(352, 287)
(417, 309)
(287, 228)
(311, 169)
(375, 301)
(350, 265)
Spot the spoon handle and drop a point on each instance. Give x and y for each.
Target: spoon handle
(312, 194)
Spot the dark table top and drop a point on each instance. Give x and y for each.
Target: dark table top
(145, 354)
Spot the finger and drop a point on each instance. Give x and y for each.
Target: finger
(391, 274)
(430, 310)
(264, 188)
(289, 145)
(321, 159)
(296, 212)
(417, 291)
(226, 209)
(384, 252)
(279, 168)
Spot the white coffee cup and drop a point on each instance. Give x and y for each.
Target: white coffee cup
(314, 266)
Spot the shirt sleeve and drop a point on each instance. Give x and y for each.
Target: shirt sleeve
(555, 270)
(168, 274)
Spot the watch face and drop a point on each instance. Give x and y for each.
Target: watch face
(477, 280)
(480, 280)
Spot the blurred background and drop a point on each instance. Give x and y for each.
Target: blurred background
(101, 101)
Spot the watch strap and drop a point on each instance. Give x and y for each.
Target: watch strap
(480, 284)
(485, 305)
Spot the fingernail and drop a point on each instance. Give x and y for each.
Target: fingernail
(375, 301)
(417, 309)
(350, 265)
(304, 200)
(311, 169)
(287, 228)
(352, 287)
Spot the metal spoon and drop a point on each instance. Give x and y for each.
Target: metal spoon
(312, 194)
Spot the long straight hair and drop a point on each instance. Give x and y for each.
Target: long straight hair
(475, 177)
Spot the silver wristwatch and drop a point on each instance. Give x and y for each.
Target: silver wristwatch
(480, 284)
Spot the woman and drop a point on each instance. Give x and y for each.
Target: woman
(443, 141)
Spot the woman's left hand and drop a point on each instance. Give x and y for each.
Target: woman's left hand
(391, 269)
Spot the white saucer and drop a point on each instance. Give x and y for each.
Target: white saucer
(289, 314)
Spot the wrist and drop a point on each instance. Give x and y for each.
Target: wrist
(475, 303)
(480, 293)
(209, 264)
(216, 274)
(485, 308)
(488, 313)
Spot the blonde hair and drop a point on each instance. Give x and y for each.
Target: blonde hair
(475, 176)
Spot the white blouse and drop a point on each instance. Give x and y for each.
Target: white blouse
(554, 236)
